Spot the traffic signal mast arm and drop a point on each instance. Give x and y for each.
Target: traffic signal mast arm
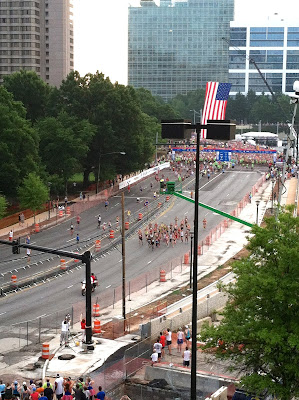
(224, 214)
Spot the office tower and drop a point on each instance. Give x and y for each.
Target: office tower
(37, 36)
(176, 46)
(274, 46)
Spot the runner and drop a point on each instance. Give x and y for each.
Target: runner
(99, 220)
(140, 237)
(106, 204)
(72, 229)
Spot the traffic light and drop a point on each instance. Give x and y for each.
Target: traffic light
(15, 246)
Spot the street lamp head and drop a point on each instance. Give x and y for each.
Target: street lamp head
(257, 202)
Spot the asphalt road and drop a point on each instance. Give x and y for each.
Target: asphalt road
(222, 191)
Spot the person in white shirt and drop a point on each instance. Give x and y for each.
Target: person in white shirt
(64, 337)
(180, 339)
(168, 340)
(154, 357)
(158, 347)
(59, 387)
(186, 357)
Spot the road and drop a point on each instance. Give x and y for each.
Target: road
(222, 191)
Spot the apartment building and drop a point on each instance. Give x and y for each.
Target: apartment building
(37, 36)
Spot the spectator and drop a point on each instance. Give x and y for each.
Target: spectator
(31, 386)
(45, 385)
(25, 392)
(34, 395)
(40, 389)
(78, 392)
(48, 391)
(67, 393)
(8, 392)
(158, 347)
(59, 387)
(2, 388)
(186, 357)
(89, 383)
(68, 381)
(101, 394)
(15, 389)
(154, 357)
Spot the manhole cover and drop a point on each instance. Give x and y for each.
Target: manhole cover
(66, 357)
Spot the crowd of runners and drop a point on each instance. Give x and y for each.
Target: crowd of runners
(155, 235)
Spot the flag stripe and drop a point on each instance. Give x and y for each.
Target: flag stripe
(215, 103)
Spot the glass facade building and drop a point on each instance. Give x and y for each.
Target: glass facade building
(177, 47)
(274, 48)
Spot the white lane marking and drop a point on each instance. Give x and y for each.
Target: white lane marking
(108, 286)
(150, 261)
(70, 240)
(120, 260)
(70, 286)
(41, 316)
(186, 212)
(3, 313)
(227, 194)
(116, 204)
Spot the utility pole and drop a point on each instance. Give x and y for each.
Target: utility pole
(123, 257)
(156, 158)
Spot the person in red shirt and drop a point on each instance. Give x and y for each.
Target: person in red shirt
(163, 342)
(34, 395)
(83, 327)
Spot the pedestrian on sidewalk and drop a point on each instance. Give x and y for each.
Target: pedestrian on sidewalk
(101, 394)
(186, 357)
(163, 342)
(187, 334)
(180, 339)
(158, 347)
(83, 329)
(168, 340)
(154, 357)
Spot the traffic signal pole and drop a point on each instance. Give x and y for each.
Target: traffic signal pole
(85, 258)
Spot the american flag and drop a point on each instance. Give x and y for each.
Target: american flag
(215, 103)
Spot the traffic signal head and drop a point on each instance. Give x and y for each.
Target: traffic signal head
(15, 247)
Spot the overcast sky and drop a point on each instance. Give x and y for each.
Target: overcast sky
(101, 31)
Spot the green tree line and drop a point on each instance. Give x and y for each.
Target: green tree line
(54, 133)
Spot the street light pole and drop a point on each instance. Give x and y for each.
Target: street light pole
(257, 211)
(191, 237)
(194, 286)
(123, 258)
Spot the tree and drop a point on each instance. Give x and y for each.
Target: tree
(33, 193)
(31, 90)
(64, 144)
(185, 104)
(18, 144)
(260, 329)
(3, 206)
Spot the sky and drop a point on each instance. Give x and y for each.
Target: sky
(101, 31)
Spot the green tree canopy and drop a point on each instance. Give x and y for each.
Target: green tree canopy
(31, 90)
(64, 144)
(33, 193)
(116, 113)
(18, 144)
(262, 314)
